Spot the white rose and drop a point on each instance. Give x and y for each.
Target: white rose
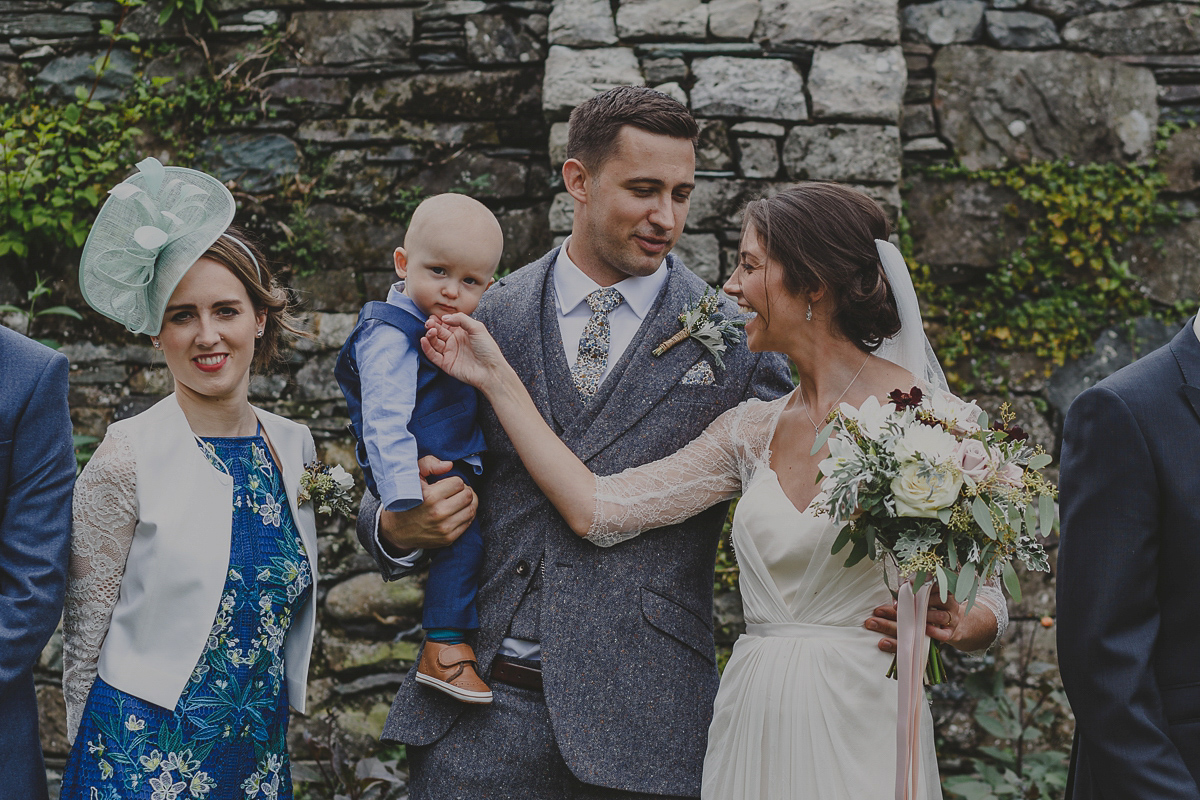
(921, 493)
(343, 479)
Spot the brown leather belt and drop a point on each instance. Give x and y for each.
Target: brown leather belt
(517, 673)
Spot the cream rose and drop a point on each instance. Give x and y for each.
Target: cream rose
(920, 493)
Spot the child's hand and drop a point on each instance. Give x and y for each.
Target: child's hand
(463, 349)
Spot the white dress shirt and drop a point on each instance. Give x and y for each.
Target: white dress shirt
(571, 289)
(1196, 325)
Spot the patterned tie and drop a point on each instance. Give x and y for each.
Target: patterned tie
(593, 344)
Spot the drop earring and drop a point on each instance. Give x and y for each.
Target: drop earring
(808, 314)
(157, 344)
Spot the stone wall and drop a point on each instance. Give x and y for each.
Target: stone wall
(374, 101)
(1003, 82)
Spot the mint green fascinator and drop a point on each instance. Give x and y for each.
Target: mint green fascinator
(151, 230)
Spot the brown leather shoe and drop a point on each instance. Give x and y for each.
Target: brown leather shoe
(451, 668)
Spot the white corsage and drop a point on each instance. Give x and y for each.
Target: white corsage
(703, 322)
(328, 488)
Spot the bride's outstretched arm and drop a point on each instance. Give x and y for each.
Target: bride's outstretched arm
(607, 509)
(462, 347)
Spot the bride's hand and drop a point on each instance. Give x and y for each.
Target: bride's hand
(463, 349)
(946, 622)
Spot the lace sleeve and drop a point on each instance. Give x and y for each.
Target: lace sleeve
(705, 472)
(991, 597)
(104, 513)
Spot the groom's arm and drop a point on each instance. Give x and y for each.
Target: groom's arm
(1108, 611)
(396, 540)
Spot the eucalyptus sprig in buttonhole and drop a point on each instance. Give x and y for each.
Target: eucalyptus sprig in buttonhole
(703, 322)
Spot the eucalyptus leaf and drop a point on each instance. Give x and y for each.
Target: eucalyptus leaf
(944, 514)
(1011, 582)
(1031, 519)
(1046, 509)
(1040, 460)
(966, 580)
(983, 516)
(951, 553)
(943, 582)
(983, 420)
(822, 438)
(843, 538)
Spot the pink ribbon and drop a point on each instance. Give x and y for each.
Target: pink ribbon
(912, 652)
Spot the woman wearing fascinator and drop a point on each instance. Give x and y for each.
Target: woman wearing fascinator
(190, 604)
(804, 709)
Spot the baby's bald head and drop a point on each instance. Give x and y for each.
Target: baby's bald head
(450, 253)
(448, 218)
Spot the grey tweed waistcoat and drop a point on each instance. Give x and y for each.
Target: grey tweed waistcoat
(626, 632)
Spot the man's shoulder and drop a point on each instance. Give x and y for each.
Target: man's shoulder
(1144, 378)
(516, 287)
(17, 351)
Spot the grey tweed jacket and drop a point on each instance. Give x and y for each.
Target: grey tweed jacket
(626, 632)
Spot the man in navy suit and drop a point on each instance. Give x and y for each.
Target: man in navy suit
(37, 473)
(1128, 589)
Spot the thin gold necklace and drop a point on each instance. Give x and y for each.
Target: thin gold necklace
(817, 428)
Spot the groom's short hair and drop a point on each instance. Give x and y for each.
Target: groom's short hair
(595, 123)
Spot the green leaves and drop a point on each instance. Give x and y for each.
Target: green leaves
(1010, 581)
(822, 438)
(983, 516)
(1046, 509)
(1040, 460)
(1063, 282)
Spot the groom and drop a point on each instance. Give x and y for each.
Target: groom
(601, 662)
(1128, 591)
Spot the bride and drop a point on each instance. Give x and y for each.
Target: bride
(804, 708)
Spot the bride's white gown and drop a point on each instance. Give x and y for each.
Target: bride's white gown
(804, 709)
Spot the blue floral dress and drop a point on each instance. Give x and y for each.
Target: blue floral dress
(227, 736)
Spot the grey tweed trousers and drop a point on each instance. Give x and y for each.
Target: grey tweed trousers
(510, 748)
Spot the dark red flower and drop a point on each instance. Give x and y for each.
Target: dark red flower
(903, 400)
(1016, 433)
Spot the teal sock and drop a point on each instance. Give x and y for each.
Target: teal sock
(445, 635)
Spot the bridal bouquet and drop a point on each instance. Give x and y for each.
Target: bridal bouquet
(924, 480)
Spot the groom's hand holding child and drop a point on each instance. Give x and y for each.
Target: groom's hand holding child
(418, 442)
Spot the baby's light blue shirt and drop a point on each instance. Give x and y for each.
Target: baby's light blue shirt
(387, 366)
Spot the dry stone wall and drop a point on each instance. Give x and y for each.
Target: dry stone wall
(375, 101)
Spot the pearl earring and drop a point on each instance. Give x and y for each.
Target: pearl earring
(259, 334)
(808, 314)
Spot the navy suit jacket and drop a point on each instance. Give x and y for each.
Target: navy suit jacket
(1128, 589)
(37, 473)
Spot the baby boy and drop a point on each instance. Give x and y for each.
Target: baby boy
(402, 408)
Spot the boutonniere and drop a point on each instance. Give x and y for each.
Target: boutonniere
(703, 322)
(328, 488)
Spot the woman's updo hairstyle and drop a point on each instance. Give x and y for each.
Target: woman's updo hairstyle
(238, 253)
(823, 235)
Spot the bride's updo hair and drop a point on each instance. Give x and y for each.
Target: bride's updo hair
(823, 235)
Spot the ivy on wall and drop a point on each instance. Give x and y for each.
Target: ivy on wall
(1065, 282)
